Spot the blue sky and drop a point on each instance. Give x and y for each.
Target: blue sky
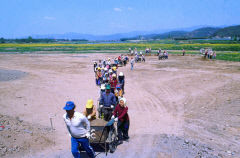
(27, 17)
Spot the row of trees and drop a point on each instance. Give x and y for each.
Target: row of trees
(235, 38)
(32, 40)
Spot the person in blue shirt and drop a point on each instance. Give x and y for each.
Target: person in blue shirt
(121, 80)
(107, 103)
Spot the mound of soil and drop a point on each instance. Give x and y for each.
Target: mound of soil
(18, 138)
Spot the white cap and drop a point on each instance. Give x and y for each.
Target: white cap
(121, 74)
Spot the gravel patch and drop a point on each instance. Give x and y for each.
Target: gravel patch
(10, 75)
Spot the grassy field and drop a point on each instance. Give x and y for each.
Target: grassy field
(115, 46)
(232, 55)
(229, 56)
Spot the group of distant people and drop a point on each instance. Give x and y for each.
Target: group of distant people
(162, 54)
(148, 50)
(138, 56)
(134, 51)
(208, 53)
(105, 70)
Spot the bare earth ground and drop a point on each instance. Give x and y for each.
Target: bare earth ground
(181, 107)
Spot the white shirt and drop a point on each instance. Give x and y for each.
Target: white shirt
(132, 61)
(78, 126)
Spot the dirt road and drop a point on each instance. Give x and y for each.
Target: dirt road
(180, 107)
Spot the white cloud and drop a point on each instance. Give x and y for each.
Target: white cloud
(49, 18)
(117, 9)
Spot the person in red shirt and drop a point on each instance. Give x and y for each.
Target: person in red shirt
(113, 83)
(120, 114)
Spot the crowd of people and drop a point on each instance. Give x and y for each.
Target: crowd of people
(162, 54)
(148, 50)
(106, 70)
(112, 106)
(138, 56)
(134, 51)
(208, 53)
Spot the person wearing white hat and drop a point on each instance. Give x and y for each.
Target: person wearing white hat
(120, 115)
(113, 82)
(102, 89)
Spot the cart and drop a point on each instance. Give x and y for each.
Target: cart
(103, 136)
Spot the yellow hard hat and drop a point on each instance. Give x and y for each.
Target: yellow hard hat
(89, 104)
(99, 68)
(114, 68)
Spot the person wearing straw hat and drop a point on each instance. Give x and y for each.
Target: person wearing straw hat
(79, 128)
(90, 110)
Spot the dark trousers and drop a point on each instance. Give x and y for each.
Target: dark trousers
(123, 88)
(123, 127)
(112, 90)
(107, 113)
(98, 81)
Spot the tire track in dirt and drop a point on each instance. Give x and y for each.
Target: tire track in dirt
(148, 101)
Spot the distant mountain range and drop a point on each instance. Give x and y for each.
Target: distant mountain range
(204, 32)
(230, 31)
(192, 32)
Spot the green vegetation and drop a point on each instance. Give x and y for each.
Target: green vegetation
(173, 46)
(228, 56)
(114, 46)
